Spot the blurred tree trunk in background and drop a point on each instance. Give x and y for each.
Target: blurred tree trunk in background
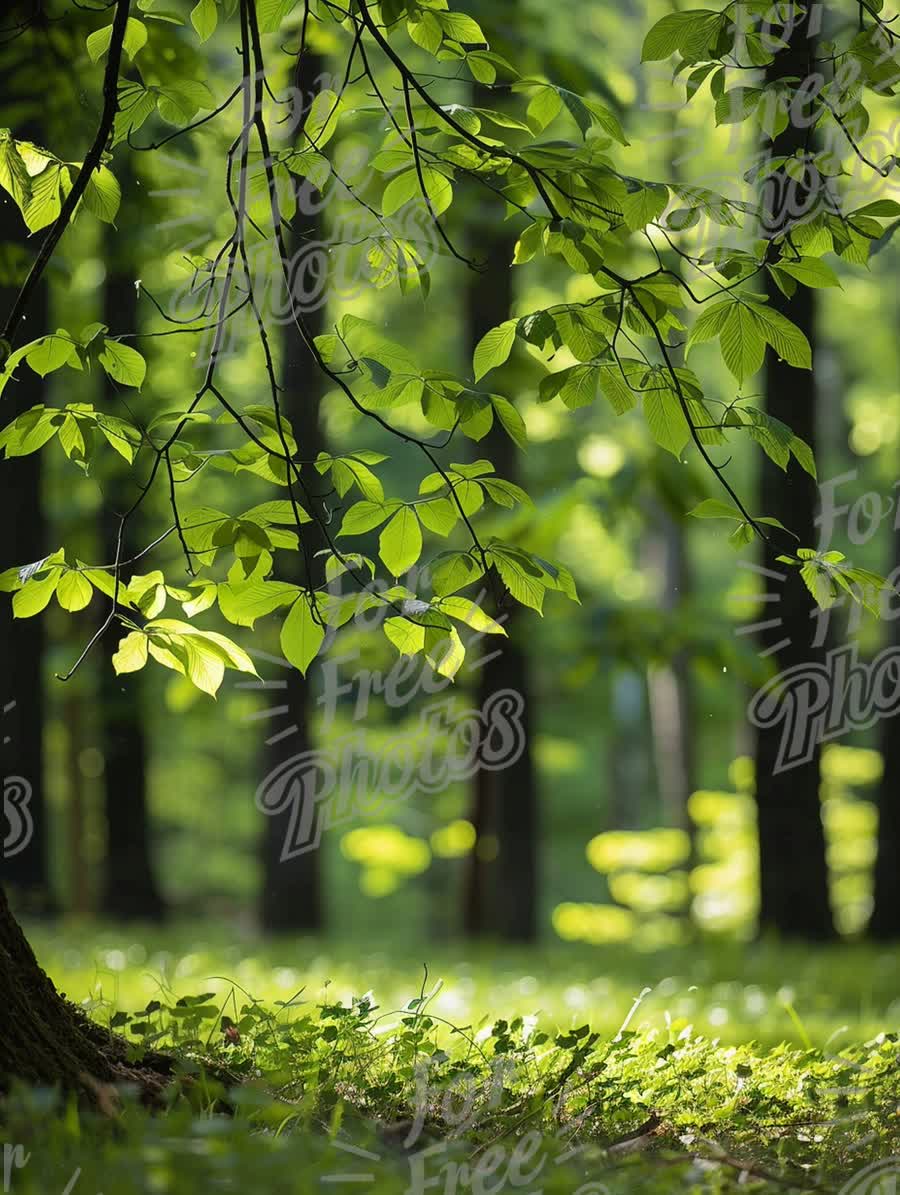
(793, 868)
(502, 893)
(885, 921)
(23, 539)
(79, 891)
(669, 683)
(630, 777)
(130, 890)
(292, 888)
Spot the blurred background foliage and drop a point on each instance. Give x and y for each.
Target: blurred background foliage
(638, 696)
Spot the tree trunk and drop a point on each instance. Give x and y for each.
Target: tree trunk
(23, 539)
(130, 889)
(79, 890)
(292, 888)
(48, 1041)
(669, 689)
(793, 868)
(502, 892)
(885, 921)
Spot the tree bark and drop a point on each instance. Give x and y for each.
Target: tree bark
(669, 689)
(130, 890)
(23, 539)
(794, 897)
(292, 888)
(501, 894)
(884, 924)
(46, 1041)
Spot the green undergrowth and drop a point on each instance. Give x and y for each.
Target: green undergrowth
(370, 1083)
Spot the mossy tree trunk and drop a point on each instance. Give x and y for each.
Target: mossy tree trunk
(45, 1040)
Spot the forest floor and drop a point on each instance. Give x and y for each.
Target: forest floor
(357, 1069)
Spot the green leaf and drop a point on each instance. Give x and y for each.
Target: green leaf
(204, 18)
(687, 31)
(454, 571)
(512, 421)
(74, 591)
(615, 389)
(444, 650)
(277, 511)
(524, 579)
(494, 348)
(743, 345)
(399, 190)
(71, 439)
(202, 656)
(709, 324)
(177, 103)
(462, 28)
(271, 13)
(102, 195)
(440, 515)
(123, 363)
(34, 595)
(243, 602)
(644, 205)
(741, 536)
(543, 107)
(322, 119)
(811, 271)
(820, 584)
(30, 431)
(301, 635)
(505, 493)
(45, 202)
(407, 636)
(712, 508)
(666, 420)
(467, 611)
(879, 207)
(132, 653)
(14, 176)
(736, 105)
(135, 39)
(803, 455)
(50, 352)
(425, 31)
(364, 516)
(148, 593)
(788, 341)
(204, 599)
(400, 543)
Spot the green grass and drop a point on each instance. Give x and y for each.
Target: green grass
(762, 1066)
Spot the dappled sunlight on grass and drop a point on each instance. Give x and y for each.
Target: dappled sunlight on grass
(734, 992)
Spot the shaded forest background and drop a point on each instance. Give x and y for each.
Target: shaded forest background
(634, 814)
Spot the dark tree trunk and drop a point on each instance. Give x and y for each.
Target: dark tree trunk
(292, 888)
(885, 921)
(130, 888)
(793, 868)
(45, 1040)
(23, 539)
(502, 892)
(513, 794)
